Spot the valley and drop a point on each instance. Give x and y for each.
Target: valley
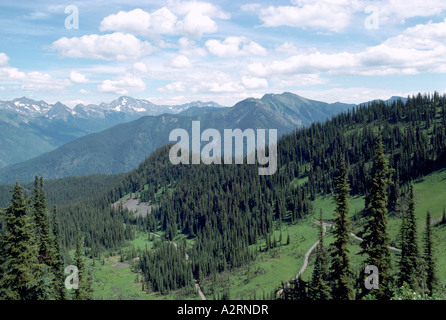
(155, 232)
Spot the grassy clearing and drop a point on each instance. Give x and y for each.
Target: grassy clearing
(115, 280)
(270, 269)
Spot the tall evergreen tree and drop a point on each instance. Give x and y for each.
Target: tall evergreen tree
(409, 246)
(44, 241)
(375, 238)
(19, 262)
(58, 263)
(319, 288)
(429, 259)
(84, 291)
(341, 275)
(42, 223)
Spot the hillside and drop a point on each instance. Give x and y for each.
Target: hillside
(123, 147)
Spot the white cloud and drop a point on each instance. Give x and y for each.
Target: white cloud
(419, 49)
(326, 14)
(189, 48)
(123, 86)
(140, 22)
(192, 19)
(180, 61)
(176, 86)
(286, 47)
(138, 68)
(195, 24)
(204, 8)
(3, 59)
(234, 47)
(77, 77)
(29, 81)
(254, 83)
(84, 91)
(115, 46)
(396, 11)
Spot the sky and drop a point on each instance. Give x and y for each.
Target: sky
(174, 52)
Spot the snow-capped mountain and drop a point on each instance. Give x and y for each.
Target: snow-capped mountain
(29, 128)
(122, 105)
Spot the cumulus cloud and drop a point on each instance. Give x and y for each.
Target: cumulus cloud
(114, 46)
(140, 22)
(123, 86)
(77, 77)
(326, 14)
(336, 16)
(205, 8)
(180, 61)
(254, 83)
(29, 81)
(399, 10)
(234, 47)
(176, 86)
(188, 47)
(192, 19)
(3, 59)
(138, 68)
(417, 50)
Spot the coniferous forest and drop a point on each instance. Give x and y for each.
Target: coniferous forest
(207, 221)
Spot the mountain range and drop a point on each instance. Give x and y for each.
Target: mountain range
(29, 128)
(123, 147)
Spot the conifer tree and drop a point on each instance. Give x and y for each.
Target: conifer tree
(44, 241)
(84, 291)
(19, 262)
(375, 239)
(42, 223)
(341, 275)
(319, 288)
(429, 259)
(409, 246)
(58, 263)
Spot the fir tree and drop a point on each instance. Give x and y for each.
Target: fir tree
(409, 246)
(429, 257)
(84, 291)
(44, 240)
(375, 239)
(42, 223)
(19, 262)
(58, 263)
(319, 288)
(341, 275)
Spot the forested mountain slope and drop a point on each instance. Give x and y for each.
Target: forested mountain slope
(122, 147)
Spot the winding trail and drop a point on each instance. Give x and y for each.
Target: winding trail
(307, 255)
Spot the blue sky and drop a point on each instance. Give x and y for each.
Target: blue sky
(173, 52)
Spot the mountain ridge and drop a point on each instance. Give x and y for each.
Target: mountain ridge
(122, 147)
(31, 128)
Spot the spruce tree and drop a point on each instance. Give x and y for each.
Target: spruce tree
(409, 246)
(58, 263)
(375, 238)
(84, 291)
(44, 241)
(341, 275)
(42, 223)
(429, 257)
(19, 262)
(319, 288)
